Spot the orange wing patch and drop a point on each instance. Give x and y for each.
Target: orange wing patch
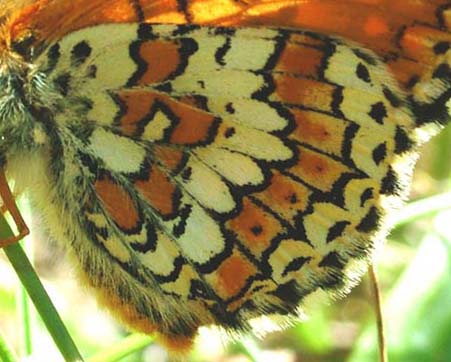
(162, 59)
(158, 117)
(159, 191)
(318, 170)
(194, 127)
(300, 59)
(285, 197)
(136, 107)
(112, 194)
(232, 275)
(254, 227)
(319, 130)
(306, 92)
(170, 158)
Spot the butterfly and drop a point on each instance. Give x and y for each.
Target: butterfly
(209, 162)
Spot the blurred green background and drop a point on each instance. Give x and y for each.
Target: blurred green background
(414, 271)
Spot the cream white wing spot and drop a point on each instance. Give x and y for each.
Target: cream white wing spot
(161, 261)
(217, 83)
(249, 48)
(120, 154)
(252, 142)
(291, 252)
(362, 152)
(104, 109)
(112, 71)
(115, 247)
(201, 237)
(98, 220)
(156, 128)
(239, 169)
(257, 33)
(243, 45)
(181, 286)
(248, 112)
(346, 68)
(318, 223)
(361, 187)
(203, 60)
(203, 75)
(371, 111)
(112, 243)
(206, 187)
(137, 239)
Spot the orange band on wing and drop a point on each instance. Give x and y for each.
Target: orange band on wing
(300, 60)
(162, 58)
(117, 202)
(53, 19)
(137, 107)
(317, 169)
(169, 157)
(306, 92)
(254, 227)
(418, 42)
(319, 130)
(187, 125)
(231, 276)
(285, 196)
(158, 190)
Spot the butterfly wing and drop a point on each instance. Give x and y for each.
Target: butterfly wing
(211, 175)
(411, 36)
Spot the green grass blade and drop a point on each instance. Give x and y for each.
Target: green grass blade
(38, 295)
(418, 209)
(250, 349)
(6, 353)
(25, 316)
(125, 347)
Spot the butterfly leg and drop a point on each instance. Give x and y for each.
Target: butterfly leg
(9, 204)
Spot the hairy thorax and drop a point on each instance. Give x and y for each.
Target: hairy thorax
(26, 103)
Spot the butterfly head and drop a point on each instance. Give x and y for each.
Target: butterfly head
(25, 103)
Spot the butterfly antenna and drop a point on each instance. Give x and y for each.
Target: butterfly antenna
(383, 357)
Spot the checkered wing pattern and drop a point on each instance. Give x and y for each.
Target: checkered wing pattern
(211, 170)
